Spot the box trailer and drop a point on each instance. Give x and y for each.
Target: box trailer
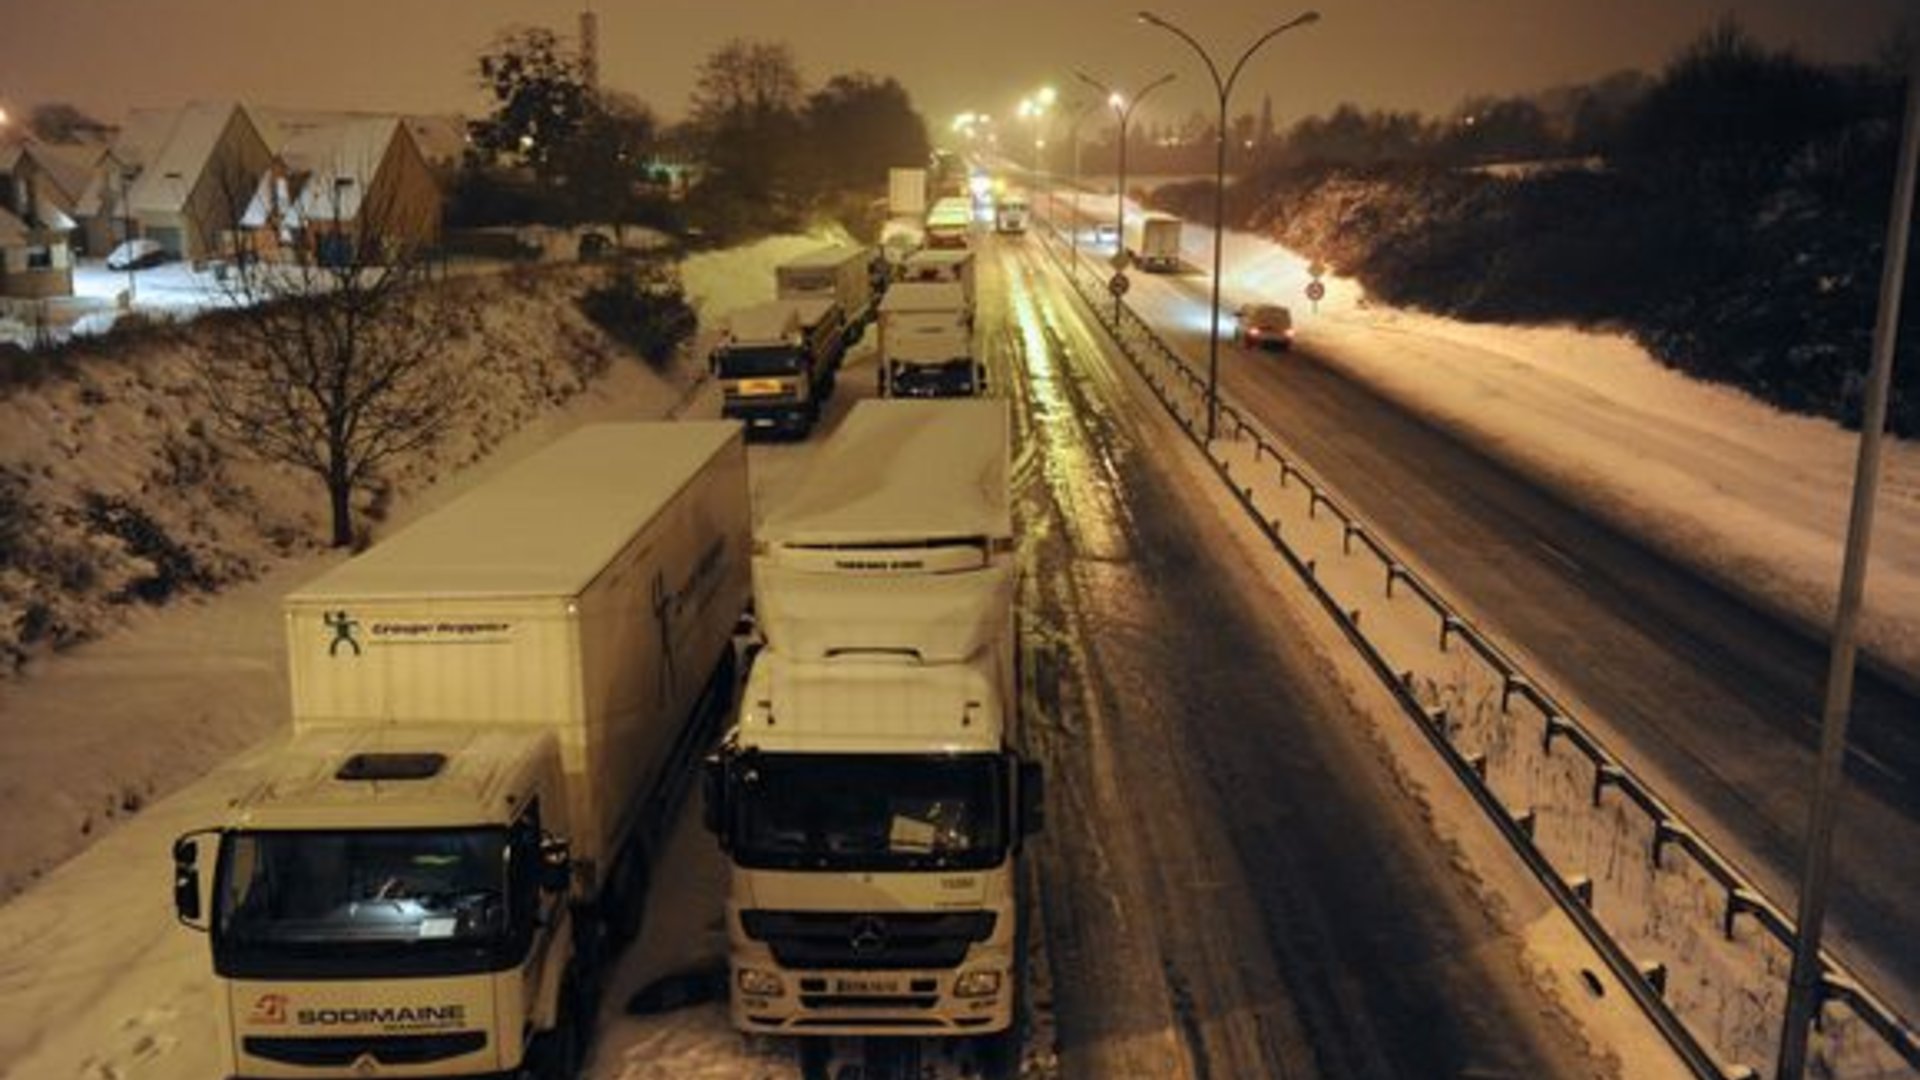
(495, 713)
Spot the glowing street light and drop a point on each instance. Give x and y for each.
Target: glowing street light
(1224, 88)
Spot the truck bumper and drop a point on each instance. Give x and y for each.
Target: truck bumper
(794, 419)
(866, 1002)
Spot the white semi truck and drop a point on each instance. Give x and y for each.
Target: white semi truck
(494, 714)
(926, 342)
(870, 796)
(1153, 241)
(776, 362)
(842, 273)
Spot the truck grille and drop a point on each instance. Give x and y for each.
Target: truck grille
(347, 1049)
(890, 941)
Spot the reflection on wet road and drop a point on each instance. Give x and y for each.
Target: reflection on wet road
(1233, 885)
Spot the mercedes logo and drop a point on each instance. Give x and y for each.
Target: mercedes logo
(869, 934)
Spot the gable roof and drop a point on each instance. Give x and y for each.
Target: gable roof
(168, 179)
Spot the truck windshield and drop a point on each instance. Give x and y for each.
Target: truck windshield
(751, 363)
(435, 900)
(870, 811)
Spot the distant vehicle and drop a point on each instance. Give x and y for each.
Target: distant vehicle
(906, 192)
(1264, 326)
(1104, 233)
(950, 223)
(1153, 241)
(136, 254)
(1010, 215)
(926, 342)
(842, 273)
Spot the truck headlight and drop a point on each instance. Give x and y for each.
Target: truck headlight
(977, 984)
(759, 983)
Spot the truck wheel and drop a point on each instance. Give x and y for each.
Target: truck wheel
(998, 1056)
(816, 1057)
(552, 1056)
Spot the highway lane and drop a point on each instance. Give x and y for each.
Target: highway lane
(1714, 694)
(1233, 884)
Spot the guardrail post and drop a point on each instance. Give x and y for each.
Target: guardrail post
(1605, 775)
(1526, 820)
(1740, 901)
(1449, 625)
(1581, 886)
(1556, 726)
(1666, 831)
(1394, 570)
(1510, 682)
(1654, 974)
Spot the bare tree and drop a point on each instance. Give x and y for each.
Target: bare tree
(330, 357)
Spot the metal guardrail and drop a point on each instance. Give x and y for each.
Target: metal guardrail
(1170, 376)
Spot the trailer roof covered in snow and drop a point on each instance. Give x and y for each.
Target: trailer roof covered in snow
(903, 472)
(827, 257)
(546, 526)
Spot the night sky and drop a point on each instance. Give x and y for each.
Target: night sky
(417, 55)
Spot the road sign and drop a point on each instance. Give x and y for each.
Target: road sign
(1315, 291)
(1117, 284)
(1120, 260)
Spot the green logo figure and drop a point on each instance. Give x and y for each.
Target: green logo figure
(343, 626)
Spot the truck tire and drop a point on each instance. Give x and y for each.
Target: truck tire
(558, 1054)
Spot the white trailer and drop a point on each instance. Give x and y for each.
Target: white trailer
(906, 192)
(950, 223)
(926, 342)
(870, 796)
(954, 266)
(842, 273)
(1153, 241)
(494, 714)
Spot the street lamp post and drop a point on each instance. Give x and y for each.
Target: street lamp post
(1123, 111)
(1224, 88)
(126, 227)
(1078, 111)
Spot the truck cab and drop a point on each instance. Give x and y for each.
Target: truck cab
(393, 903)
(870, 795)
(776, 364)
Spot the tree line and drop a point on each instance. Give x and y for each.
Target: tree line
(760, 150)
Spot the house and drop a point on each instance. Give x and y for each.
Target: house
(36, 256)
(189, 196)
(336, 183)
(101, 208)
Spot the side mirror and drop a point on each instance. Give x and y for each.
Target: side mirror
(713, 797)
(1033, 798)
(556, 864)
(186, 880)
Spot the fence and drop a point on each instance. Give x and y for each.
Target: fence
(1703, 952)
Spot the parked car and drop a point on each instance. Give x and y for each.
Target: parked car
(1264, 326)
(136, 254)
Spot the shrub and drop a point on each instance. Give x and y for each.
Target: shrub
(643, 306)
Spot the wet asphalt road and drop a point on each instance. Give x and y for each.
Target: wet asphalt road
(1721, 697)
(1233, 885)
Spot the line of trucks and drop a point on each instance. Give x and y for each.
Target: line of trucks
(497, 711)
(776, 362)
